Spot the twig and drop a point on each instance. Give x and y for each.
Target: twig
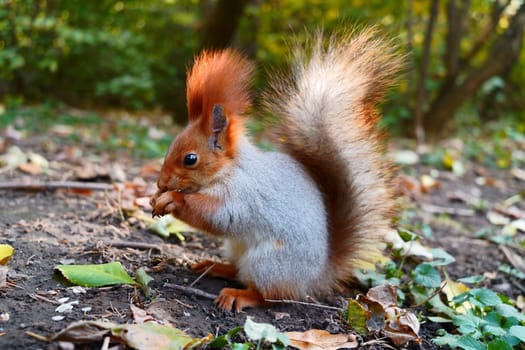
(514, 259)
(381, 342)
(198, 292)
(55, 185)
(434, 293)
(43, 298)
(202, 274)
(434, 209)
(518, 285)
(129, 244)
(321, 306)
(191, 291)
(36, 336)
(105, 344)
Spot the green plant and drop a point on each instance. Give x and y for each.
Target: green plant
(490, 322)
(260, 333)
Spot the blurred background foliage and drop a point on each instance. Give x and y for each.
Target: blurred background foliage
(464, 57)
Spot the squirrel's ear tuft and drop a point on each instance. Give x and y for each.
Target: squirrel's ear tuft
(219, 121)
(219, 77)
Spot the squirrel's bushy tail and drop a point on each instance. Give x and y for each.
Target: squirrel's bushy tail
(329, 124)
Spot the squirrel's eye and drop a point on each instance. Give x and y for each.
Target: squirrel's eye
(190, 159)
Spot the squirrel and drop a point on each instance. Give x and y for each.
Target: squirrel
(296, 221)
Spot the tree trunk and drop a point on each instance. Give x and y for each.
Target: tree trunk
(219, 27)
(220, 24)
(423, 72)
(502, 55)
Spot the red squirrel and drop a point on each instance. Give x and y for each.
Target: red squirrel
(294, 222)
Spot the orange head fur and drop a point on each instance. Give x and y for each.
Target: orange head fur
(217, 95)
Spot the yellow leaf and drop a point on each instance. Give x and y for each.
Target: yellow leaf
(357, 316)
(448, 161)
(452, 289)
(6, 252)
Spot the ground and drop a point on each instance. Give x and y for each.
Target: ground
(56, 226)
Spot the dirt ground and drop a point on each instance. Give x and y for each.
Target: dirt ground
(53, 227)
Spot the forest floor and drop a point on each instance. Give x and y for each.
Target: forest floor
(58, 226)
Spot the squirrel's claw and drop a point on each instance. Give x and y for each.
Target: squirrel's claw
(166, 202)
(240, 297)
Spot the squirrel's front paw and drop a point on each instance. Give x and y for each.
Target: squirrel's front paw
(166, 202)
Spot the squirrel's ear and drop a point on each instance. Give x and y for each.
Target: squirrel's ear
(219, 121)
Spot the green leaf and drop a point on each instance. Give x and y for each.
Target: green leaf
(407, 235)
(225, 339)
(143, 279)
(481, 297)
(518, 332)
(219, 342)
(260, 331)
(441, 258)
(232, 332)
(494, 331)
(468, 324)
(472, 279)
(446, 339)
(509, 311)
(426, 275)
(469, 343)
(439, 319)
(485, 296)
(240, 346)
(499, 344)
(95, 275)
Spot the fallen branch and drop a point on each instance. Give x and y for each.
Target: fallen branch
(200, 293)
(191, 291)
(514, 259)
(434, 209)
(129, 244)
(286, 301)
(55, 185)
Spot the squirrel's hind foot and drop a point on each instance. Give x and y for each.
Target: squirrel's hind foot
(230, 298)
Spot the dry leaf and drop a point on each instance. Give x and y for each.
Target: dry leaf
(316, 339)
(30, 168)
(401, 326)
(518, 173)
(84, 332)
(13, 134)
(514, 258)
(428, 183)
(140, 315)
(91, 171)
(3, 276)
(497, 219)
(519, 224)
(410, 248)
(511, 211)
(14, 157)
(405, 157)
(385, 295)
(151, 169)
(408, 185)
